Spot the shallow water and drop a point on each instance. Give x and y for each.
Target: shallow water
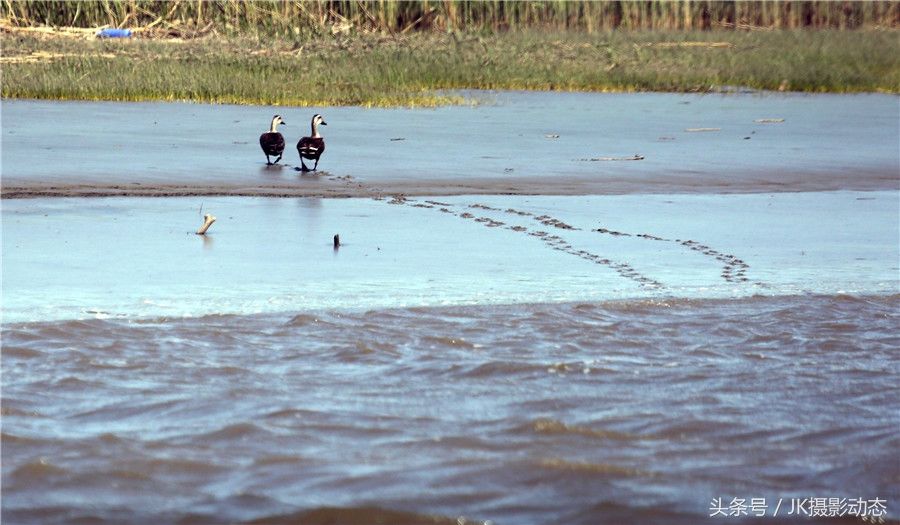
(539, 143)
(134, 257)
(639, 411)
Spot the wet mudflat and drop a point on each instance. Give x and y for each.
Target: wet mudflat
(534, 143)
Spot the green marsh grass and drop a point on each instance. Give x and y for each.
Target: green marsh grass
(414, 69)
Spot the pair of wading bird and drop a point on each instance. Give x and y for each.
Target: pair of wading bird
(310, 148)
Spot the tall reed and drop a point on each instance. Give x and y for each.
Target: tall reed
(311, 17)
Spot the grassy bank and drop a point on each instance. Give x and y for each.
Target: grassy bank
(387, 70)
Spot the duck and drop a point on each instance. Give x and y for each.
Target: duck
(312, 147)
(272, 142)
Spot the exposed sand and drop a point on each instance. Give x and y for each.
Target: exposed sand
(327, 186)
(514, 143)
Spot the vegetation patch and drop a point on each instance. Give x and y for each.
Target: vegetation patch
(420, 68)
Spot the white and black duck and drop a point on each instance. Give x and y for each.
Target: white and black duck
(312, 147)
(272, 142)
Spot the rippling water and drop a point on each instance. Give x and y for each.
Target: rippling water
(625, 411)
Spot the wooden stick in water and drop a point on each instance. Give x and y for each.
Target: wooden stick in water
(208, 220)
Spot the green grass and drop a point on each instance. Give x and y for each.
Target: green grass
(373, 70)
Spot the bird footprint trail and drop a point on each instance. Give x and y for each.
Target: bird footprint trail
(546, 220)
(734, 270)
(554, 242)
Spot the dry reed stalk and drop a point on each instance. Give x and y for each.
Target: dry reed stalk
(318, 16)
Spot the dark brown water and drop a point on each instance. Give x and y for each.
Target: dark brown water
(611, 412)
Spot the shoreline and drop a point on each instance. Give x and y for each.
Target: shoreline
(316, 187)
(450, 97)
(623, 304)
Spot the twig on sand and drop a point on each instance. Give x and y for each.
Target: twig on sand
(44, 56)
(73, 32)
(687, 44)
(208, 220)
(745, 27)
(596, 159)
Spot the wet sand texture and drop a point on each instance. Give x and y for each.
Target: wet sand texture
(826, 142)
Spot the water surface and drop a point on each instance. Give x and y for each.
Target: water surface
(584, 413)
(136, 257)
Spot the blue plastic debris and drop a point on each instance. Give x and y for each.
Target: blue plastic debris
(114, 33)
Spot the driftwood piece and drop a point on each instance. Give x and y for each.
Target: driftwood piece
(208, 220)
(597, 159)
(687, 44)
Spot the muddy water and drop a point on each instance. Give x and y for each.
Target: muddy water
(537, 143)
(632, 411)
